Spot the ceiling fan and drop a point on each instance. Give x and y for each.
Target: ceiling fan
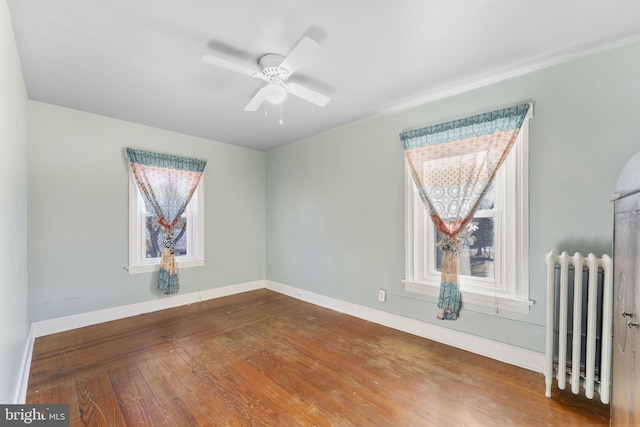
(275, 70)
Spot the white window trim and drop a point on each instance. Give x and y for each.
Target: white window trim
(138, 263)
(516, 268)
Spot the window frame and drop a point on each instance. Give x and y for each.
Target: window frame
(138, 262)
(511, 289)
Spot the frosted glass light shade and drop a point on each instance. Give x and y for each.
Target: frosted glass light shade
(275, 93)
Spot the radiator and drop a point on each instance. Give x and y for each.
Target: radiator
(579, 306)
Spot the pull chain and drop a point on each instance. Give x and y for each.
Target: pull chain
(281, 122)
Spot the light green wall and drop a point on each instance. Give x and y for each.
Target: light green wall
(78, 214)
(14, 318)
(335, 202)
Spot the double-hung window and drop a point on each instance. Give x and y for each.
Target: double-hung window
(146, 239)
(493, 259)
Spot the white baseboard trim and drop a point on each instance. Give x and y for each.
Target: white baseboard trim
(20, 394)
(507, 353)
(67, 323)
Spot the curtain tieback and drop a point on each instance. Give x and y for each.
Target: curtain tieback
(167, 232)
(165, 224)
(450, 243)
(168, 241)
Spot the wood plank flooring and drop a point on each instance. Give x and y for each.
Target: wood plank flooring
(264, 359)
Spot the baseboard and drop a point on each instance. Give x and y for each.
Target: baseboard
(67, 323)
(20, 394)
(507, 353)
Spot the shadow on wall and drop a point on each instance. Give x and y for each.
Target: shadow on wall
(585, 246)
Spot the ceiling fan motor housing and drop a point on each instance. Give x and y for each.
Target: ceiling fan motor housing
(270, 66)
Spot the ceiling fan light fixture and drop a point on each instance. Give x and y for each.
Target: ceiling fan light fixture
(275, 70)
(275, 93)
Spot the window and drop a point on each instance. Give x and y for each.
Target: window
(494, 257)
(146, 239)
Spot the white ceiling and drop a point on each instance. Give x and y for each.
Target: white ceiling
(140, 60)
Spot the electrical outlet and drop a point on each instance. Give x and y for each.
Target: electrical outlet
(382, 295)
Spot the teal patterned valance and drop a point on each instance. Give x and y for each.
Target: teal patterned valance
(168, 161)
(479, 125)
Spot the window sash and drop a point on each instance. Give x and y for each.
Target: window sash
(138, 261)
(188, 216)
(426, 239)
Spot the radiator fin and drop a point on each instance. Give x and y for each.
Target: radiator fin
(579, 305)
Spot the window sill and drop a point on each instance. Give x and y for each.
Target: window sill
(155, 266)
(505, 302)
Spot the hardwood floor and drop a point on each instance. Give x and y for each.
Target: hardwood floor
(261, 359)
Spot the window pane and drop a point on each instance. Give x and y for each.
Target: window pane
(489, 200)
(155, 238)
(477, 253)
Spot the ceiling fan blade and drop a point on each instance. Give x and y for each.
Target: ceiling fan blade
(233, 66)
(304, 52)
(256, 101)
(308, 95)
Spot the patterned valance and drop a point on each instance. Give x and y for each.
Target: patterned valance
(165, 161)
(456, 130)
